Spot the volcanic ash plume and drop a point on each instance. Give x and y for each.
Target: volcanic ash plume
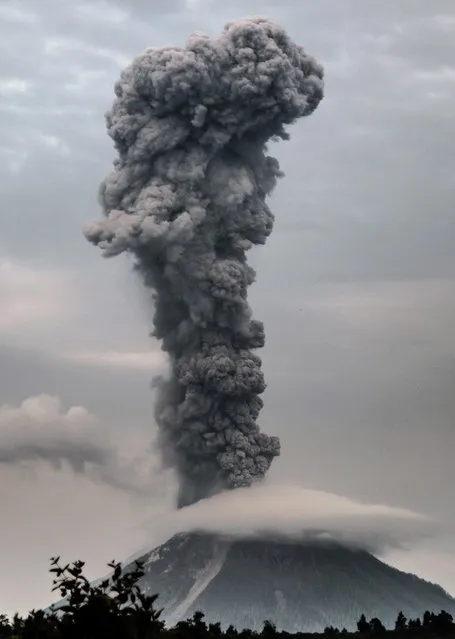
(187, 199)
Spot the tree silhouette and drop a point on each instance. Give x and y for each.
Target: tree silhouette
(330, 631)
(268, 630)
(376, 627)
(5, 627)
(363, 626)
(427, 619)
(443, 624)
(401, 622)
(414, 624)
(117, 609)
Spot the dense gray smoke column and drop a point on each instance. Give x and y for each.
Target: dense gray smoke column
(187, 199)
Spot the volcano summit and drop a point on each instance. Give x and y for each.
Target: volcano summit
(299, 586)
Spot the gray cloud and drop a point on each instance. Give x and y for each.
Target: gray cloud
(40, 430)
(389, 225)
(153, 8)
(187, 198)
(365, 216)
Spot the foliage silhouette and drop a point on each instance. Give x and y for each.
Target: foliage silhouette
(401, 622)
(116, 608)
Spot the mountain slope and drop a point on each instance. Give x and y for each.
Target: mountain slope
(298, 586)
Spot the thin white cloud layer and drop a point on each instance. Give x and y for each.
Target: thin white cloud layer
(389, 302)
(11, 86)
(59, 46)
(150, 361)
(30, 296)
(16, 14)
(397, 311)
(293, 511)
(100, 12)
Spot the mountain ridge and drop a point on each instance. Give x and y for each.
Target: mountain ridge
(299, 586)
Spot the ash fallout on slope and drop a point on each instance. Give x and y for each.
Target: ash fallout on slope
(187, 199)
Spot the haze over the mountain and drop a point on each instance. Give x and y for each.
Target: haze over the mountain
(299, 586)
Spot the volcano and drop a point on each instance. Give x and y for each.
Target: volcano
(298, 586)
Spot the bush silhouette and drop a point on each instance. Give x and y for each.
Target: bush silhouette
(116, 608)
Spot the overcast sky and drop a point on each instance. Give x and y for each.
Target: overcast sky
(355, 286)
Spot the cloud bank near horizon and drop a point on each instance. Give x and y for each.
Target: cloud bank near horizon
(41, 431)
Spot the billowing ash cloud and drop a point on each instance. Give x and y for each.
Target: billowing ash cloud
(187, 199)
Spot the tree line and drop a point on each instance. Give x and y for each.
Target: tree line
(117, 609)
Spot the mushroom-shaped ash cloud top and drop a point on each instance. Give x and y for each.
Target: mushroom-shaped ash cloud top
(187, 197)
